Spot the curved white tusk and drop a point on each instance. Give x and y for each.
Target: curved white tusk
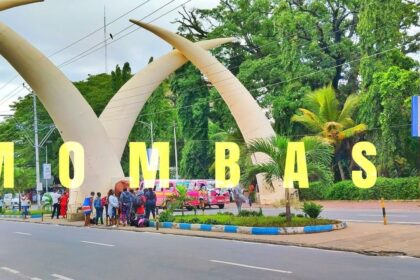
(7, 4)
(120, 114)
(250, 118)
(70, 112)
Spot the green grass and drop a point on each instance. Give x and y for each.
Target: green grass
(273, 221)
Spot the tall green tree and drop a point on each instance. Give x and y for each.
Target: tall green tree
(193, 113)
(322, 116)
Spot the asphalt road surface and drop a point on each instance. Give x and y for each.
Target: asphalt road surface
(46, 252)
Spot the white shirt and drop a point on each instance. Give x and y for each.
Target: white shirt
(55, 197)
(24, 201)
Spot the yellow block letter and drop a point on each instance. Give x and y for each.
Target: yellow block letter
(296, 150)
(78, 157)
(7, 156)
(365, 164)
(232, 163)
(159, 156)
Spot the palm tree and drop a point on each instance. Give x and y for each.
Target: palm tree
(323, 117)
(318, 159)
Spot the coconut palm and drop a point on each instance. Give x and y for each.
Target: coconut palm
(318, 159)
(323, 117)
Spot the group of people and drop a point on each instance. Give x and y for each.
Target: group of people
(126, 208)
(59, 204)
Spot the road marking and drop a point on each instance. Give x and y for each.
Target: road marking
(253, 267)
(10, 270)
(373, 221)
(99, 244)
(35, 278)
(23, 233)
(61, 277)
(377, 215)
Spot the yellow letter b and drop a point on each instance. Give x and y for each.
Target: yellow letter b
(232, 163)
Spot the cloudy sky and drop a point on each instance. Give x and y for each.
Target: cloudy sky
(54, 24)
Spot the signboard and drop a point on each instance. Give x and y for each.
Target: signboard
(46, 167)
(415, 116)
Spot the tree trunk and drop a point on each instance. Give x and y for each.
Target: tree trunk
(288, 211)
(340, 168)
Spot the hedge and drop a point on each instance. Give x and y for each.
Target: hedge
(387, 188)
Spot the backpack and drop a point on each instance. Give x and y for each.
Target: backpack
(125, 198)
(138, 201)
(97, 203)
(143, 222)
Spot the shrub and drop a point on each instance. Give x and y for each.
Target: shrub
(166, 216)
(247, 213)
(312, 209)
(388, 188)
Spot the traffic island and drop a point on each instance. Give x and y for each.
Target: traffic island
(252, 230)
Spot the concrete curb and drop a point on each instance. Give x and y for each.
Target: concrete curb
(36, 216)
(252, 230)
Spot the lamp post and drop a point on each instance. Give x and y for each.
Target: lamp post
(150, 125)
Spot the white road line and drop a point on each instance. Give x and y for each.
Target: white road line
(253, 267)
(35, 278)
(23, 233)
(10, 270)
(99, 244)
(378, 215)
(389, 222)
(61, 277)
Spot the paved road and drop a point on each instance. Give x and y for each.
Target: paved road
(34, 251)
(397, 216)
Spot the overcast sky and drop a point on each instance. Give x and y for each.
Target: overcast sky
(54, 24)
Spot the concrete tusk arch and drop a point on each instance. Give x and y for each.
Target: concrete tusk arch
(251, 120)
(72, 115)
(120, 114)
(7, 4)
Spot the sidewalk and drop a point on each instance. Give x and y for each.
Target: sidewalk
(372, 239)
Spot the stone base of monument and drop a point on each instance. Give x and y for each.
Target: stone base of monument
(75, 217)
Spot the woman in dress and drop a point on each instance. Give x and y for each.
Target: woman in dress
(63, 204)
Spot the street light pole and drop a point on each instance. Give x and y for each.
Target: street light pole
(36, 145)
(176, 153)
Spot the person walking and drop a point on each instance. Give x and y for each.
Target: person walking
(238, 197)
(87, 207)
(112, 208)
(1, 205)
(64, 200)
(126, 205)
(55, 203)
(99, 209)
(150, 203)
(25, 203)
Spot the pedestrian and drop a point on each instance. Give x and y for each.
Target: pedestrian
(150, 203)
(56, 206)
(251, 192)
(99, 209)
(104, 202)
(238, 197)
(140, 211)
(1, 205)
(126, 205)
(87, 207)
(64, 200)
(202, 195)
(25, 203)
(112, 208)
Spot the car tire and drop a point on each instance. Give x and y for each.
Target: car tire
(221, 206)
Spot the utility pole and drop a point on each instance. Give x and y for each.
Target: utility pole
(176, 153)
(36, 146)
(105, 42)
